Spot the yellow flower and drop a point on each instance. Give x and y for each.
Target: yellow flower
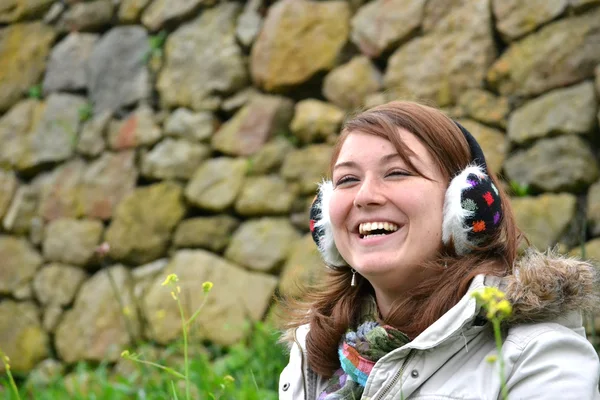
(493, 300)
(207, 286)
(6, 361)
(160, 314)
(504, 308)
(479, 296)
(491, 358)
(173, 295)
(491, 314)
(228, 379)
(125, 353)
(488, 294)
(171, 278)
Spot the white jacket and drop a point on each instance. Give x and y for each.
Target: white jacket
(545, 351)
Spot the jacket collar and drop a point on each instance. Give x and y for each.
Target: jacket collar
(453, 323)
(542, 287)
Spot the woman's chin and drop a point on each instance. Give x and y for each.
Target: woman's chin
(377, 268)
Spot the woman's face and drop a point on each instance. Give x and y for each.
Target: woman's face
(386, 218)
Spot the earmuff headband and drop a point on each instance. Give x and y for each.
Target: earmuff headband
(477, 156)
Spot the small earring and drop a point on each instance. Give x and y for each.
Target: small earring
(445, 264)
(353, 281)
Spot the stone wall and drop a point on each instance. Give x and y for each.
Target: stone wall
(189, 135)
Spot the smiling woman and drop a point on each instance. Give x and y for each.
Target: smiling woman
(411, 224)
(378, 187)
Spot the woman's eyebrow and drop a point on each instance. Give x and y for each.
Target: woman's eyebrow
(351, 164)
(413, 158)
(390, 157)
(345, 164)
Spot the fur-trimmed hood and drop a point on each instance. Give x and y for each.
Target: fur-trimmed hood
(543, 287)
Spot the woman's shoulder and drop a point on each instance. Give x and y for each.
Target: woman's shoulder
(538, 353)
(568, 326)
(295, 336)
(549, 292)
(545, 337)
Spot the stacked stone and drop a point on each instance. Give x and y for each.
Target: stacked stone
(190, 135)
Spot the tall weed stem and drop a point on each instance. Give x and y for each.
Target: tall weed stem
(171, 280)
(185, 350)
(497, 308)
(498, 337)
(11, 379)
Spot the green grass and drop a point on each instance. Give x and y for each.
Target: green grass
(85, 112)
(156, 44)
(254, 364)
(35, 92)
(520, 189)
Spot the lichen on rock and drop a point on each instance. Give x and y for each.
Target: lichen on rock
(298, 40)
(203, 61)
(22, 339)
(144, 221)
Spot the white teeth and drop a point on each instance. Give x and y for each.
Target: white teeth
(366, 227)
(371, 236)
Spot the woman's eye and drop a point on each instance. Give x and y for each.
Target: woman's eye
(399, 173)
(345, 179)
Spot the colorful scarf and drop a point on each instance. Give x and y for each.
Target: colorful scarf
(359, 350)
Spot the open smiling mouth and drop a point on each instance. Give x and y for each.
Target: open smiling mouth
(373, 229)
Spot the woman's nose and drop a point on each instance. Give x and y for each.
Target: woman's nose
(370, 193)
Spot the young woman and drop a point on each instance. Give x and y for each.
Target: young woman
(411, 224)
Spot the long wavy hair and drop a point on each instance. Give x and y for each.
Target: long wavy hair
(332, 305)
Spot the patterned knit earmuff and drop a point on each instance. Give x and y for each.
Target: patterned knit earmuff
(472, 207)
(472, 210)
(320, 226)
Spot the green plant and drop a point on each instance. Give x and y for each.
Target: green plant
(498, 309)
(258, 358)
(13, 385)
(171, 281)
(35, 92)
(248, 370)
(519, 189)
(289, 136)
(250, 165)
(254, 362)
(156, 44)
(85, 112)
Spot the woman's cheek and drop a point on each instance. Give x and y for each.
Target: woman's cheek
(338, 208)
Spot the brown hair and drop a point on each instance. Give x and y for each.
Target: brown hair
(332, 306)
